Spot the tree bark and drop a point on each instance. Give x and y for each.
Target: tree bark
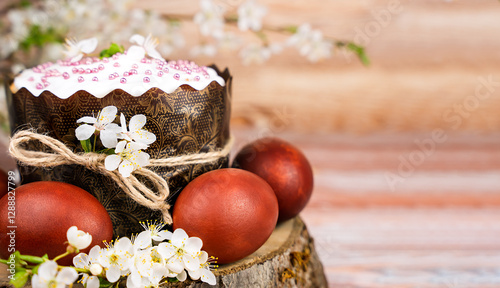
(287, 259)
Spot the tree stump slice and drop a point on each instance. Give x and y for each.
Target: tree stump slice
(287, 259)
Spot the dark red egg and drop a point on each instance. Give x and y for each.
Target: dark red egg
(284, 167)
(4, 183)
(233, 211)
(43, 213)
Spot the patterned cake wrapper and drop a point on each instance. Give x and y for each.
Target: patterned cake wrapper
(185, 121)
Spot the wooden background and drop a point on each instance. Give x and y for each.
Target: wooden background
(425, 59)
(439, 225)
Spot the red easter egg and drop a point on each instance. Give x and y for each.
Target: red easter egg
(4, 183)
(284, 167)
(233, 211)
(43, 213)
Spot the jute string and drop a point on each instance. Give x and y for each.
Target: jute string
(134, 188)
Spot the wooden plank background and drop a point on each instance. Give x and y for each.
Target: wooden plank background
(426, 58)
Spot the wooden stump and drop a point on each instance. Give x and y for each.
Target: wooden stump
(287, 259)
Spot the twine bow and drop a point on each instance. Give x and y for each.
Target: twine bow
(134, 188)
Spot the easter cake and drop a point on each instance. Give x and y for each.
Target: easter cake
(186, 109)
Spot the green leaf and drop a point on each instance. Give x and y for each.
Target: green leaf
(112, 50)
(87, 147)
(17, 258)
(292, 29)
(32, 259)
(103, 283)
(20, 278)
(108, 151)
(35, 269)
(38, 37)
(360, 51)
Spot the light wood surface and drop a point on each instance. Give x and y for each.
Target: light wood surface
(426, 58)
(439, 228)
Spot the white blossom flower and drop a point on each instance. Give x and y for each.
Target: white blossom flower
(144, 46)
(203, 50)
(184, 251)
(90, 281)
(108, 131)
(78, 238)
(76, 50)
(210, 19)
(157, 274)
(152, 233)
(255, 54)
(228, 41)
(128, 158)
(84, 261)
(117, 259)
(311, 43)
(250, 16)
(204, 273)
(90, 262)
(148, 267)
(49, 277)
(135, 131)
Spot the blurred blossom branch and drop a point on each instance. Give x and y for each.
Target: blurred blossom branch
(35, 31)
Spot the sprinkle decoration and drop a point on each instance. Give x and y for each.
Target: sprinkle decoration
(143, 70)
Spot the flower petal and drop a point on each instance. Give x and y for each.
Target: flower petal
(175, 264)
(142, 158)
(78, 238)
(123, 244)
(123, 123)
(67, 275)
(94, 254)
(158, 272)
(190, 262)
(208, 277)
(48, 270)
(193, 245)
(164, 235)
(135, 146)
(83, 132)
(203, 257)
(93, 282)
(87, 119)
(154, 54)
(113, 274)
(120, 146)
(81, 260)
(136, 52)
(137, 122)
(143, 136)
(182, 276)
(126, 168)
(88, 46)
(196, 274)
(112, 162)
(166, 250)
(179, 237)
(107, 115)
(137, 39)
(143, 240)
(109, 138)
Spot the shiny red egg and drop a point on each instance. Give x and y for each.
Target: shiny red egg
(42, 214)
(233, 212)
(284, 167)
(4, 183)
